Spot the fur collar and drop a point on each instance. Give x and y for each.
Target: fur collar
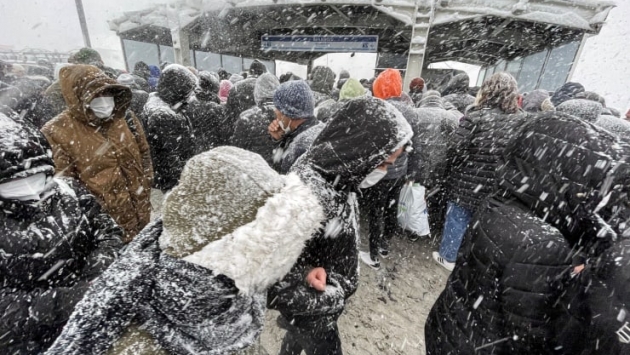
(258, 254)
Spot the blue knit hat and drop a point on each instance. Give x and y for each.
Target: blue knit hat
(295, 99)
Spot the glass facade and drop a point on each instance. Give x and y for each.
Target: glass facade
(548, 69)
(148, 52)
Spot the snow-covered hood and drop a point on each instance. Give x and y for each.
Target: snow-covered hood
(571, 174)
(357, 139)
(176, 84)
(581, 108)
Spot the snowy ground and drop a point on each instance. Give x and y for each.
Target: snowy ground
(387, 314)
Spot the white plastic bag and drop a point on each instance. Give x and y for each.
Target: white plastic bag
(412, 209)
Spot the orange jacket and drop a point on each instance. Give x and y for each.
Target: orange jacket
(113, 162)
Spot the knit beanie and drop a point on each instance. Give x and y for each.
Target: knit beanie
(266, 86)
(388, 84)
(295, 100)
(351, 89)
(416, 85)
(218, 191)
(126, 79)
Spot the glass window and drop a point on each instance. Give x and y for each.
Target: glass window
(271, 66)
(167, 54)
(558, 66)
(500, 66)
(530, 71)
(208, 61)
(140, 51)
(514, 66)
(482, 76)
(232, 64)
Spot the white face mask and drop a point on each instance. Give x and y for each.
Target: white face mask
(103, 106)
(25, 189)
(287, 129)
(373, 178)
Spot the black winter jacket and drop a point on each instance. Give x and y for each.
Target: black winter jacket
(49, 253)
(139, 98)
(211, 126)
(474, 155)
(240, 99)
(356, 140)
(250, 131)
(291, 146)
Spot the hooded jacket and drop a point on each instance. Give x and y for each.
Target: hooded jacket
(388, 84)
(141, 74)
(110, 157)
(533, 101)
(250, 130)
(351, 145)
(185, 287)
(614, 125)
(473, 156)
(432, 133)
(208, 88)
(351, 89)
(456, 92)
(169, 129)
(292, 145)
(50, 248)
(322, 83)
(154, 77)
(512, 291)
(399, 169)
(240, 99)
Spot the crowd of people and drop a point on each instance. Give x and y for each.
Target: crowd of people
(163, 211)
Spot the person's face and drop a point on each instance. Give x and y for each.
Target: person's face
(391, 160)
(286, 121)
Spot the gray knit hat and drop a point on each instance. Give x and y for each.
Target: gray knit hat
(295, 100)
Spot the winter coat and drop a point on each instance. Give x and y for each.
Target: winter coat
(291, 146)
(138, 100)
(54, 97)
(432, 133)
(351, 145)
(473, 157)
(154, 77)
(566, 92)
(581, 108)
(533, 101)
(322, 83)
(398, 170)
(240, 99)
(456, 92)
(112, 157)
(208, 88)
(211, 126)
(172, 295)
(169, 129)
(461, 101)
(512, 291)
(615, 125)
(250, 131)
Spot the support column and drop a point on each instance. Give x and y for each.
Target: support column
(421, 22)
(181, 41)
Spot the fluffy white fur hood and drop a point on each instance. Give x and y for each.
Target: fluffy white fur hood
(260, 253)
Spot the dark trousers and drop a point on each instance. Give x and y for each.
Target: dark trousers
(436, 205)
(380, 206)
(317, 337)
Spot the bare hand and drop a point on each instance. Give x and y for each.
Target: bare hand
(316, 278)
(275, 131)
(578, 269)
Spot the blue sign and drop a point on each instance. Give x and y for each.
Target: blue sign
(337, 44)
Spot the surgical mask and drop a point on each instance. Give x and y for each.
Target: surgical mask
(287, 129)
(25, 189)
(373, 178)
(103, 106)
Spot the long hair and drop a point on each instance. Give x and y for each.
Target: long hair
(499, 91)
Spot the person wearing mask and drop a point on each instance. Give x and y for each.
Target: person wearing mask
(457, 92)
(141, 74)
(322, 83)
(194, 281)
(250, 130)
(97, 141)
(416, 88)
(537, 101)
(295, 126)
(350, 155)
(474, 158)
(566, 92)
(543, 271)
(381, 201)
(427, 162)
(169, 129)
(56, 239)
(139, 97)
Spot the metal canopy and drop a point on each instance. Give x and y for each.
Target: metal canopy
(472, 31)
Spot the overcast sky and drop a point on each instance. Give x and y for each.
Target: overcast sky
(604, 66)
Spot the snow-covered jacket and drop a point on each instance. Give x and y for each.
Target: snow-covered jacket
(240, 98)
(322, 83)
(211, 126)
(250, 131)
(171, 293)
(399, 169)
(457, 92)
(562, 202)
(581, 108)
(615, 125)
(357, 139)
(138, 100)
(111, 158)
(49, 249)
(432, 133)
(473, 157)
(291, 146)
(169, 129)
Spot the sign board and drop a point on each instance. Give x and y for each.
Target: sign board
(337, 44)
